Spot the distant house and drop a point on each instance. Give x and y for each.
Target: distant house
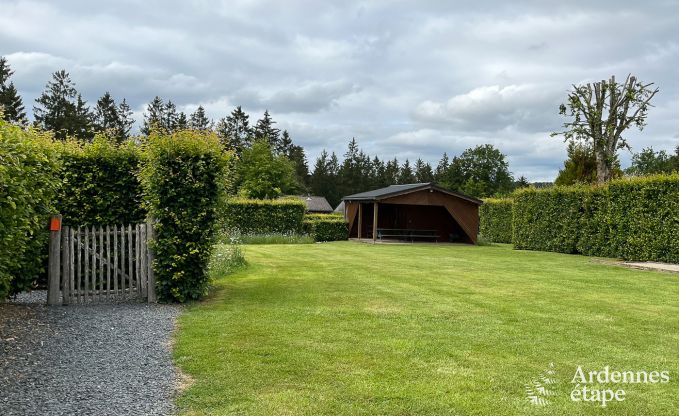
(315, 204)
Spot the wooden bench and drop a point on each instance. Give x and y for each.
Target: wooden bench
(406, 233)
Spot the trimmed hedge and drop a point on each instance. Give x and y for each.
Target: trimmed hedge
(184, 183)
(496, 220)
(326, 228)
(635, 219)
(29, 167)
(263, 216)
(101, 184)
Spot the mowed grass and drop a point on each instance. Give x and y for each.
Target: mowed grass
(357, 329)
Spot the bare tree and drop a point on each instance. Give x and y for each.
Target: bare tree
(600, 113)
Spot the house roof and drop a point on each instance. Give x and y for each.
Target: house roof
(394, 190)
(315, 203)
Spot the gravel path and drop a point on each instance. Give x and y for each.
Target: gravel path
(109, 359)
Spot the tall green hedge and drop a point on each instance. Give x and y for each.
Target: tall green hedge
(183, 180)
(496, 220)
(101, 184)
(29, 167)
(263, 216)
(326, 227)
(634, 219)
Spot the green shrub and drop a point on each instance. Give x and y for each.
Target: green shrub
(263, 216)
(101, 184)
(635, 219)
(548, 219)
(183, 182)
(327, 229)
(29, 167)
(496, 220)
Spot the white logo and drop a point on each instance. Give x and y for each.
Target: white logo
(540, 387)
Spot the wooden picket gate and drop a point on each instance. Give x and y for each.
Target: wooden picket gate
(100, 263)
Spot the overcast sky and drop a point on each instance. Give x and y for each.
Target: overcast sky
(406, 78)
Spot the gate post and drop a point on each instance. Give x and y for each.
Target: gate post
(54, 264)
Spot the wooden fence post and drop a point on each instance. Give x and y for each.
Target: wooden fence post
(151, 296)
(54, 263)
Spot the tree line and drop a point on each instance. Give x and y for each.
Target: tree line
(270, 164)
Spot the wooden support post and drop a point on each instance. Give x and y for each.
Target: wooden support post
(152, 279)
(54, 262)
(360, 219)
(375, 208)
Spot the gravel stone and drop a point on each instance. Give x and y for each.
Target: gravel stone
(99, 359)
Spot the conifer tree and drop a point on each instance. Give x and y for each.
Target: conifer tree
(154, 116)
(406, 174)
(182, 122)
(10, 102)
(171, 117)
(441, 168)
(234, 131)
(125, 121)
(391, 172)
(62, 110)
(265, 130)
(423, 172)
(106, 117)
(199, 120)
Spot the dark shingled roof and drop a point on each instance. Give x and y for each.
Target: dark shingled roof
(315, 203)
(394, 190)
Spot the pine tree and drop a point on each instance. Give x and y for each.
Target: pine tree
(171, 117)
(441, 168)
(154, 116)
(391, 172)
(377, 177)
(10, 102)
(285, 143)
(62, 110)
(297, 156)
(199, 120)
(264, 129)
(406, 174)
(125, 121)
(106, 118)
(182, 122)
(423, 172)
(234, 131)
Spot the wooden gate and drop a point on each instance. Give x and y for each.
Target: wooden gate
(100, 263)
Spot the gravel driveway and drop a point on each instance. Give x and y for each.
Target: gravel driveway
(109, 359)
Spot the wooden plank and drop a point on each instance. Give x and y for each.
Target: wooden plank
(152, 278)
(54, 261)
(137, 259)
(130, 269)
(122, 259)
(86, 275)
(71, 267)
(108, 262)
(94, 264)
(102, 293)
(142, 257)
(65, 262)
(115, 260)
(80, 267)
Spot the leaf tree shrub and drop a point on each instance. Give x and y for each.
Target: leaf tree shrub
(634, 219)
(101, 183)
(183, 181)
(29, 167)
(496, 220)
(263, 216)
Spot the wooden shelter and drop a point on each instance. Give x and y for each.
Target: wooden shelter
(413, 212)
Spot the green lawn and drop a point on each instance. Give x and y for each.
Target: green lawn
(358, 329)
